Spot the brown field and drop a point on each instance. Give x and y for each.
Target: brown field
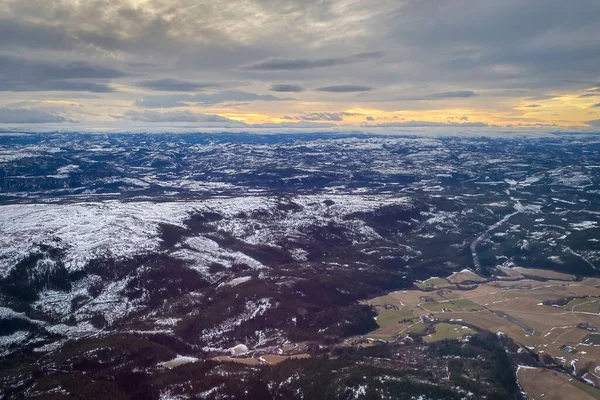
(542, 273)
(515, 308)
(540, 383)
(586, 304)
(511, 273)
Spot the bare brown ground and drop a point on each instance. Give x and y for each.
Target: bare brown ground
(511, 273)
(542, 273)
(540, 383)
(515, 309)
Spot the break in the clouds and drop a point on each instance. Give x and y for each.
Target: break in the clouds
(428, 60)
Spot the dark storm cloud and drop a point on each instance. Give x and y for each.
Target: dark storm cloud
(29, 116)
(344, 89)
(286, 88)
(174, 85)
(204, 99)
(280, 63)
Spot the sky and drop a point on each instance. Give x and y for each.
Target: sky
(301, 63)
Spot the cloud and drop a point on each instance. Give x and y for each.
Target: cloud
(58, 70)
(204, 99)
(281, 63)
(54, 85)
(594, 123)
(286, 88)
(369, 118)
(449, 95)
(425, 124)
(322, 116)
(165, 101)
(29, 116)
(173, 116)
(15, 33)
(344, 89)
(24, 75)
(589, 95)
(294, 125)
(174, 85)
(185, 116)
(507, 52)
(533, 106)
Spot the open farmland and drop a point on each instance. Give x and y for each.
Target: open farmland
(548, 316)
(540, 383)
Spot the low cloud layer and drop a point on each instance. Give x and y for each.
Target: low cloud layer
(29, 116)
(430, 124)
(173, 116)
(322, 116)
(204, 99)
